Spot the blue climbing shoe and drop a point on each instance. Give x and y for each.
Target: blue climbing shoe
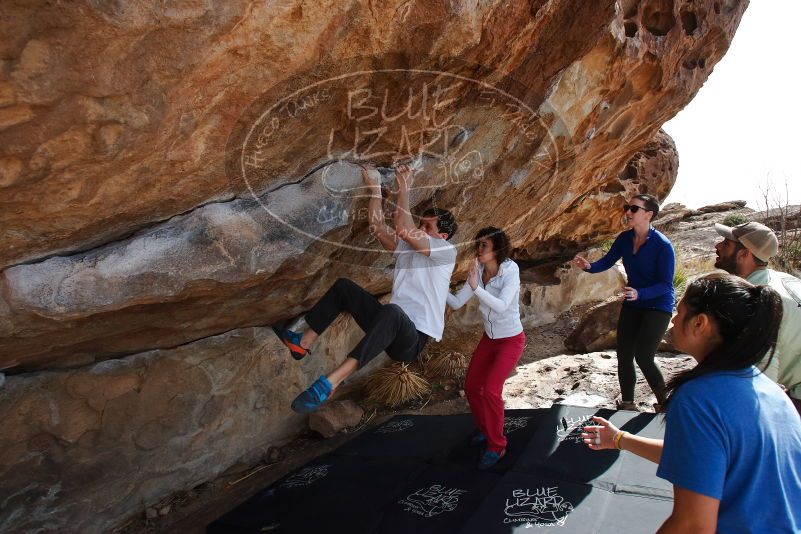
(312, 398)
(292, 341)
(478, 439)
(490, 458)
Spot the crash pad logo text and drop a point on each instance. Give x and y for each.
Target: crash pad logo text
(539, 506)
(510, 424)
(395, 426)
(432, 501)
(306, 476)
(569, 429)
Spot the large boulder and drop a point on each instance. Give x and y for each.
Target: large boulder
(124, 433)
(170, 172)
(597, 329)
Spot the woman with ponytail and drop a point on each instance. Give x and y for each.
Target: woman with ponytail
(732, 446)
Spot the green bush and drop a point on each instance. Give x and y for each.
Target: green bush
(733, 219)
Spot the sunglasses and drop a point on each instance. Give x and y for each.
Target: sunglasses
(634, 209)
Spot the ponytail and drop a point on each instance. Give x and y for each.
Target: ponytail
(746, 319)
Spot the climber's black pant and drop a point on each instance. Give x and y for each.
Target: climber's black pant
(639, 333)
(386, 326)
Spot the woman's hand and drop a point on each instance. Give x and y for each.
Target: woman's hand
(581, 263)
(472, 276)
(600, 436)
(629, 293)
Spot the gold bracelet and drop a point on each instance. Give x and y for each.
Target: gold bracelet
(618, 437)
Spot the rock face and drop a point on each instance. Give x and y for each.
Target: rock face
(123, 434)
(335, 416)
(175, 176)
(163, 189)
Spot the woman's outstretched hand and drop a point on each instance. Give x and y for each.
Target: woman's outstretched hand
(581, 263)
(600, 436)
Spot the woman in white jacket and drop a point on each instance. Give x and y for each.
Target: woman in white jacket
(495, 280)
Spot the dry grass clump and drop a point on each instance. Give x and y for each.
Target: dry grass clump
(395, 384)
(449, 364)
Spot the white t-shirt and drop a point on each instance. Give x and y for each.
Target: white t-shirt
(421, 284)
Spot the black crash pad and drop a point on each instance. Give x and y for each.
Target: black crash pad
(417, 474)
(331, 494)
(523, 501)
(558, 450)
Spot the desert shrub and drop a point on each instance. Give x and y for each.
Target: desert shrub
(688, 268)
(733, 219)
(789, 257)
(395, 384)
(680, 278)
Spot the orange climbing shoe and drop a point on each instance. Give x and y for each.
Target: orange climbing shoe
(292, 341)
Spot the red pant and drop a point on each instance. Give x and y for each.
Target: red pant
(492, 363)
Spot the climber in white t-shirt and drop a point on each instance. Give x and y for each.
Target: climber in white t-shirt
(424, 262)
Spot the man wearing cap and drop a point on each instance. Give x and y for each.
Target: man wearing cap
(745, 251)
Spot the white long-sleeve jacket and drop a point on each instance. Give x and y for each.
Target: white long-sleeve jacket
(498, 301)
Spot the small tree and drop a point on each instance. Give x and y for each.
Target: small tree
(785, 220)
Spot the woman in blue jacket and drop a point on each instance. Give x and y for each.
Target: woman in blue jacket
(649, 261)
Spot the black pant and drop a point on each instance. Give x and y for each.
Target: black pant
(386, 326)
(639, 333)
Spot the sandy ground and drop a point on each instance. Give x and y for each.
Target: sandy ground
(545, 374)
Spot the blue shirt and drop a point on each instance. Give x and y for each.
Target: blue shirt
(735, 436)
(650, 271)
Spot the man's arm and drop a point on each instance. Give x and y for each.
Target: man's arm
(385, 235)
(692, 512)
(404, 224)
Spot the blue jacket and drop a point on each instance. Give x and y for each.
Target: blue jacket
(650, 271)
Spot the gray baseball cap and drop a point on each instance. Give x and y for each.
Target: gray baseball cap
(756, 237)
